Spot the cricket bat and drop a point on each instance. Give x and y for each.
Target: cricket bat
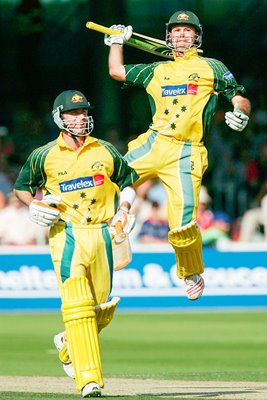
(139, 41)
(121, 248)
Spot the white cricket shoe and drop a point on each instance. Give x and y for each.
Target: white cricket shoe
(195, 285)
(59, 343)
(91, 390)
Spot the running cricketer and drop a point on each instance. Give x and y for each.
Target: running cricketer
(85, 182)
(183, 95)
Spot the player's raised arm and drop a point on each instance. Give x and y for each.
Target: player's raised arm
(116, 42)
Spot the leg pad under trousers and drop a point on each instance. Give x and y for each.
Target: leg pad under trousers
(187, 243)
(80, 322)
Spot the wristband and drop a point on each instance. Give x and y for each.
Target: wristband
(127, 194)
(124, 209)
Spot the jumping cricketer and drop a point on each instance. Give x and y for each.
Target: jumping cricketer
(85, 182)
(183, 96)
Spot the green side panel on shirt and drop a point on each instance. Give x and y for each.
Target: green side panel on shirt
(208, 114)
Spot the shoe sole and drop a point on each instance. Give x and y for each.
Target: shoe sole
(93, 393)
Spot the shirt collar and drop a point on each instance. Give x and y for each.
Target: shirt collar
(88, 141)
(187, 54)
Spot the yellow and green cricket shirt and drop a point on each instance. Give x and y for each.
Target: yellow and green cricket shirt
(88, 181)
(183, 93)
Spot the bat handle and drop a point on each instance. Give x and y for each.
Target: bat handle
(118, 227)
(101, 28)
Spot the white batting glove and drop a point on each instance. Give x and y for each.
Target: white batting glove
(236, 120)
(51, 200)
(127, 222)
(126, 33)
(43, 212)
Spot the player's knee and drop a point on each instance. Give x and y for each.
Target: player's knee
(185, 236)
(77, 300)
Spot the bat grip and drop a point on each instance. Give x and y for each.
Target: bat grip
(101, 28)
(118, 227)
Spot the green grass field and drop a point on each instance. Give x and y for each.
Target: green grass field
(177, 346)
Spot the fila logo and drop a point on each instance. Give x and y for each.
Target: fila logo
(179, 90)
(85, 182)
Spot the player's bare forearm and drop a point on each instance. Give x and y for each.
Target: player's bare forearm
(241, 103)
(24, 196)
(115, 63)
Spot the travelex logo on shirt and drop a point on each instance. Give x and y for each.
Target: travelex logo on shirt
(85, 182)
(179, 90)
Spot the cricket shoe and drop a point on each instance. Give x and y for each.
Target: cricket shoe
(195, 285)
(91, 390)
(62, 348)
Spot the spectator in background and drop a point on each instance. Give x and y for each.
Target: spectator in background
(150, 209)
(16, 228)
(260, 113)
(253, 226)
(256, 173)
(141, 208)
(3, 200)
(6, 184)
(6, 144)
(155, 227)
(214, 226)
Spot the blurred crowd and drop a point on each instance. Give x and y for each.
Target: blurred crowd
(233, 199)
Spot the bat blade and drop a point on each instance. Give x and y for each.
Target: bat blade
(139, 41)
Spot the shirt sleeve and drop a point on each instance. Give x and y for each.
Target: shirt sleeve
(32, 175)
(224, 81)
(139, 74)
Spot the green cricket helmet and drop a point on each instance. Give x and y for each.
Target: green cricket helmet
(72, 100)
(184, 18)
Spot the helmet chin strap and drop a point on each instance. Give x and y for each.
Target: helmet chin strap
(71, 133)
(74, 136)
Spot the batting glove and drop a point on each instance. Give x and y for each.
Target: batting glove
(236, 120)
(126, 220)
(44, 212)
(120, 38)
